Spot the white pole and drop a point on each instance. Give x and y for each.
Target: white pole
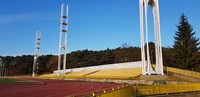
(147, 39)
(60, 42)
(142, 38)
(37, 52)
(35, 57)
(65, 44)
(160, 43)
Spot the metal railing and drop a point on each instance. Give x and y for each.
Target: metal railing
(192, 74)
(167, 89)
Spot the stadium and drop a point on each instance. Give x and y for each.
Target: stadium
(144, 75)
(110, 80)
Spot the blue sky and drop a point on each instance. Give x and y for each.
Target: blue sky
(93, 24)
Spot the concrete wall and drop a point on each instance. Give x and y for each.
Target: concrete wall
(136, 64)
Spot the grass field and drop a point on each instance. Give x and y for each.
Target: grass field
(7, 80)
(17, 81)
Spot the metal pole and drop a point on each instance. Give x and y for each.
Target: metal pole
(142, 38)
(37, 52)
(65, 44)
(60, 42)
(63, 29)
(160, 43)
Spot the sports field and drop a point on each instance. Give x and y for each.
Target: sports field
(52, 88)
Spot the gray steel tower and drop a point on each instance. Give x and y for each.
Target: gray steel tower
(146, 65)
(37, 52)
(63, 42)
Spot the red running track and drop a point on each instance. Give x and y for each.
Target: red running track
(52, 88)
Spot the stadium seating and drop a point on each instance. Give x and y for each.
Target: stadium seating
(81, 74)
(116, 73)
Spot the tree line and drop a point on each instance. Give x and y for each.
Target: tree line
(184, 54)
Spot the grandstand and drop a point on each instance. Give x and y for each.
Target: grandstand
(128, 70)
(126, 73)
(80, 74)
(109, 71)
(136, 64)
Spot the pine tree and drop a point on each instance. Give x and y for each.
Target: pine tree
(185, 45)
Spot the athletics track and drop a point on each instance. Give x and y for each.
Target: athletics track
(53, 88)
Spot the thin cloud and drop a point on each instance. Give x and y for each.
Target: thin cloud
(7, 19)
(13, 18)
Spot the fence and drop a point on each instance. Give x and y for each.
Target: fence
(183, 72)
(167, 89)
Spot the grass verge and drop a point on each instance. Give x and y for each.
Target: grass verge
(7, 80)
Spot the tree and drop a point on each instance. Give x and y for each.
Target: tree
(167, 56)
(185, 45)
(52, 64)
(151, 52)
(125, 45)
(127, 54)
(107, 57)
(42, 63)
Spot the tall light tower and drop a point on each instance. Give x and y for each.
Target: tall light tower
(1, 67)
(146, 65)
(37, 52)
(63, 42)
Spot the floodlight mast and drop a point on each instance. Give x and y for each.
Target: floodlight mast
(1, 67)
(37, 52)
(146, 65)
(63, 29)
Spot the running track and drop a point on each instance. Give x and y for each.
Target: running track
(52, 88)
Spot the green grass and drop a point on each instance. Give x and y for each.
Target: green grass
(7, 80)
(17, 81)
